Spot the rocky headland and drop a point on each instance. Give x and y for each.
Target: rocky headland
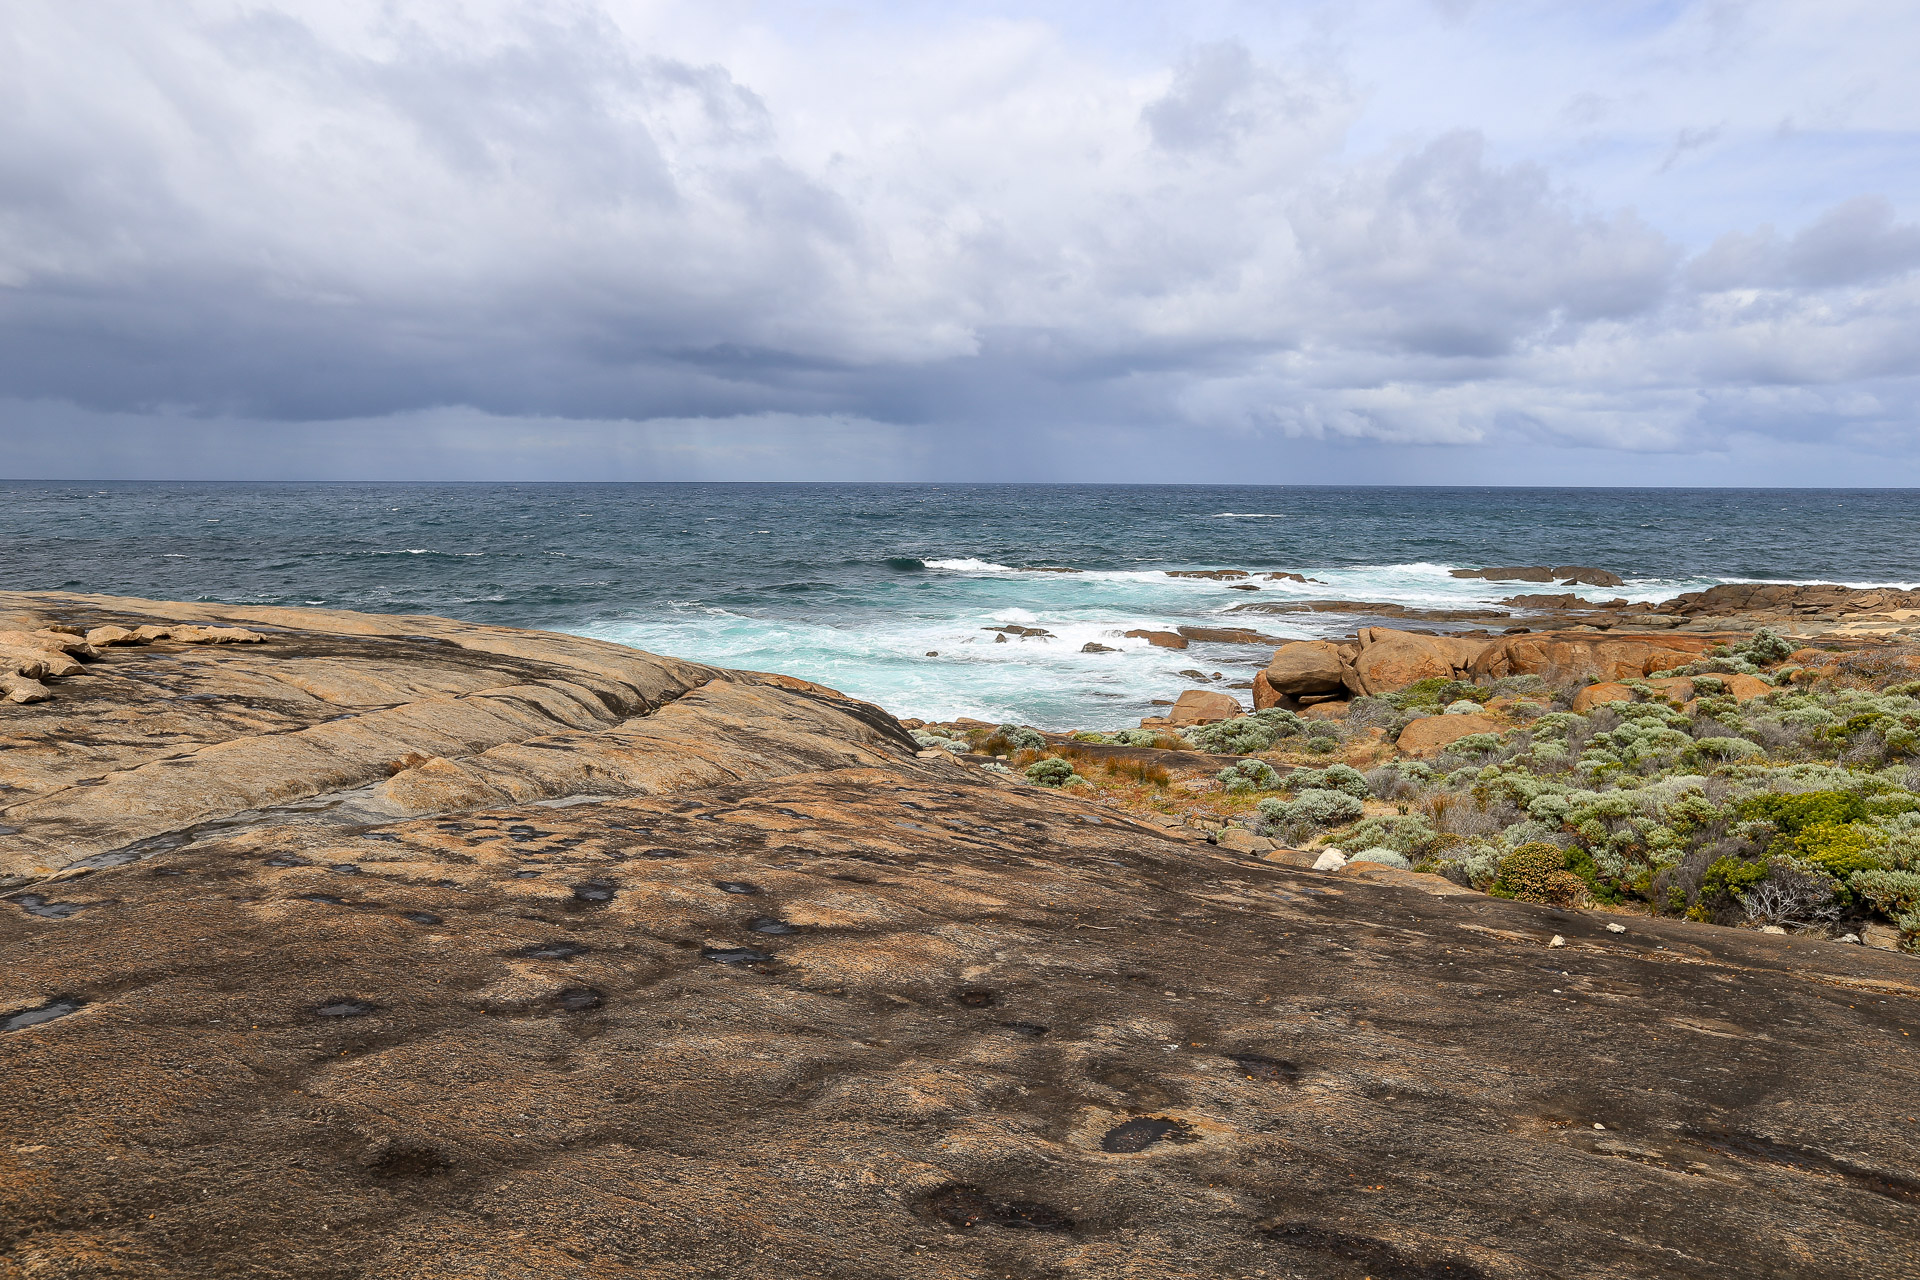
(342, 945)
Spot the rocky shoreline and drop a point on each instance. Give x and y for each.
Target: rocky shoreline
(342, 945)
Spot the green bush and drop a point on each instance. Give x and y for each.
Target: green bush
(1891, 893)
(1764, 647)
(1384, 856)
(1536, 872)
(1409, 835)
(1335, 777)
(1053, 772)
(1020, 738)
(1313, 810)
(1249, 775)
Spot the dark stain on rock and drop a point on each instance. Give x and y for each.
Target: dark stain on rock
(595, 891)
(580, 999)
(554, 950)
(327, 898)
(288, 860)
(767, 924)
(736, 886)
(1257, 1067)
(1032, 1029)
(965, 1207)
(1757, 1150)
(58, 1007)
(345, 868)
(976, 997)
(344, 1009)
(525, 875)
(1142, 1132)
(409, 1160)
(1375, 1259)
(735, 955)
(420, 917)
(35, 905)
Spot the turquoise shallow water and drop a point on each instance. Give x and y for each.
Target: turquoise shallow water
(853, 585)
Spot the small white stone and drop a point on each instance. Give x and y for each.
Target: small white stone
(1598, 1125)
(1616, 928)
(1558, 941)
(1331, 860)
(1771, 928)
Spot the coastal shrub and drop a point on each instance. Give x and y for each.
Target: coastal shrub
(1335, 777)
(1790, 892)
(1891, 893)
(1385, 857)
(928, 740)
(1020, 738)
(994, 766)
(1053, 772)
(1135, 737)
(1311, 811)
(1536, 872)
(1764, 647)
(1465, 706)
(1249, 775)
(1707, 749)
(1409, 835)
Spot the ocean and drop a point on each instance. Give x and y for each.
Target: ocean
(887, 591)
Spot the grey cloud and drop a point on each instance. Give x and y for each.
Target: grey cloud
(1853, 243)
(440, 229)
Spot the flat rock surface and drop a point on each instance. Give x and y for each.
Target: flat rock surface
(761, 994)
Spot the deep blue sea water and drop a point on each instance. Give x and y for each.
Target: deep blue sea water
(854, 585)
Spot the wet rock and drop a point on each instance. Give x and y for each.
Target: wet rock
(58, 1007)
(736, 955)
(345, 1008)
(1136, 1135)
(554, 950)
(1158, 639)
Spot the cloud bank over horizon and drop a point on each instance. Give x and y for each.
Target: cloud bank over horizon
(1418, 240)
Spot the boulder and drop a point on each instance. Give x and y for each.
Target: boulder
(50, 641)
(1240, 840)
(1394, 659)
(1091, 647)
(37, 664)
(1159, 639)
(1596, 694)
(1307, 666)
(1218, 575)
(1332, 710)
(19, 688)
(1264, 694)
(1203, 706)
(1430, 734)
(100, 637)
(1598, 654)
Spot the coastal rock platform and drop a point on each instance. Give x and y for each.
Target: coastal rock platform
(401, 947)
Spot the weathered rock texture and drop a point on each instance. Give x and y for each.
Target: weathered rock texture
(794, 1003)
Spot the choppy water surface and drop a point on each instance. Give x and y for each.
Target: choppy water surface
(854, 585)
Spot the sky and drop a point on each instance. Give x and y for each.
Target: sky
(1394, 241)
